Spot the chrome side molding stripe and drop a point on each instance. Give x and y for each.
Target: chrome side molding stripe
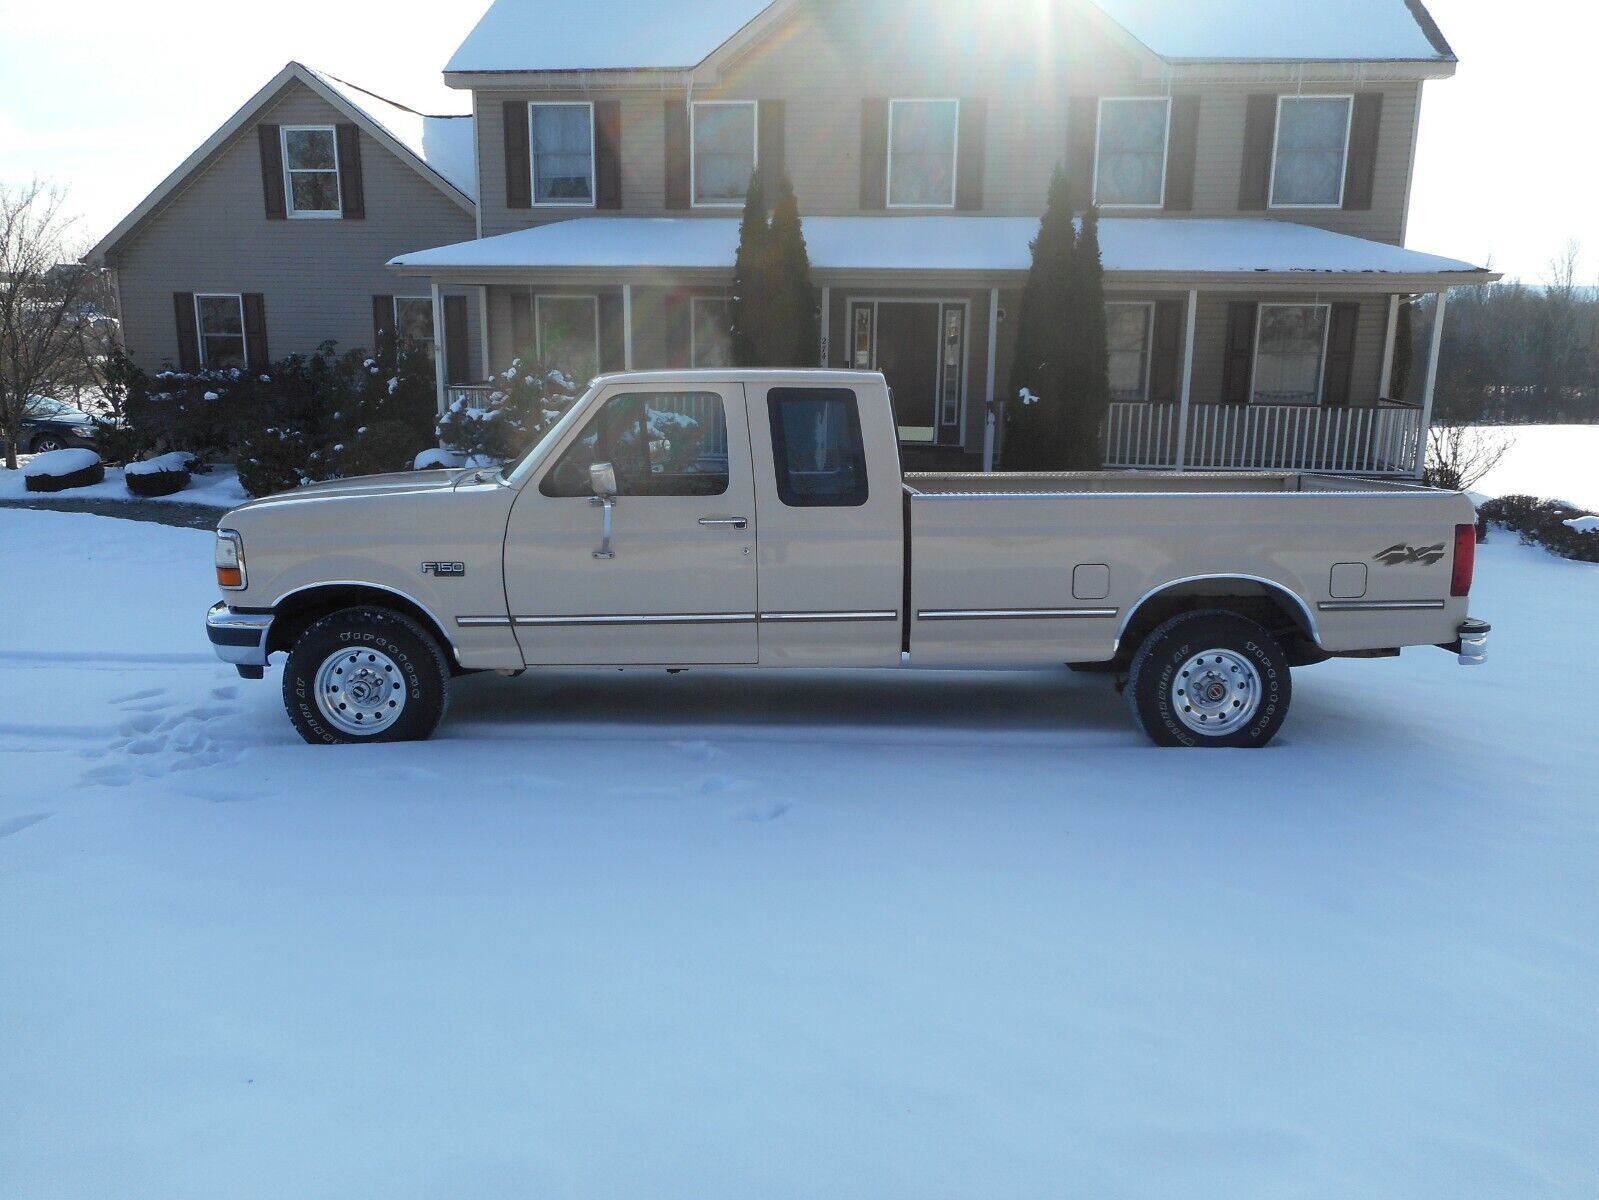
(641, 619)
(1000, 614)
(877, 615)
(477, 622)
(1375, 605)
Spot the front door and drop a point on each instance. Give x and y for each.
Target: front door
(919, 346)
(679, 585)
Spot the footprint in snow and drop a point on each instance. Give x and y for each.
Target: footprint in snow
(224, 693)
(110, 775)
(762, 810)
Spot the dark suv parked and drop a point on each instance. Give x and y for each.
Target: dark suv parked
(53, 425)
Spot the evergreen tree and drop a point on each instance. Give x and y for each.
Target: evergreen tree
(747, 314)
(1085, 388)
(792, 334)
(1035, 435)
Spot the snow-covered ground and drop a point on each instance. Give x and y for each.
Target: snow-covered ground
(711, 935)
(218, 488)
(1555, 462)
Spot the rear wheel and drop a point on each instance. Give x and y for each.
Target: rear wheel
(365, 675)
(45, 443)
(1210, 678)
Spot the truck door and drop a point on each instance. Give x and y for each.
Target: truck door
(678, 584)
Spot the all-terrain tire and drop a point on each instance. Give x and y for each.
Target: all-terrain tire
(405, 661)
(1210, 678)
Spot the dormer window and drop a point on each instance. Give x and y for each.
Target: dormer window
(921, 153)
(562, 153)
(722, 151)
(311, 170)
(1130, 162)
(1311, 151)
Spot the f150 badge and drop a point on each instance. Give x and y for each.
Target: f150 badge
(1401, 553)
(442, 570)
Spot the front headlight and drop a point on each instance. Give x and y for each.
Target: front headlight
(230, 560)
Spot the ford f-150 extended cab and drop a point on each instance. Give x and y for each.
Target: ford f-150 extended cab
(760, 519)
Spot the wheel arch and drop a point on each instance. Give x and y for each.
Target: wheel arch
(1285, 615)
(294, 612)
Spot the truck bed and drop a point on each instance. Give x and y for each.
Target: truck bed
(1066, 483)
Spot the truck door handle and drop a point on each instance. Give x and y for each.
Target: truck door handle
(735, 522)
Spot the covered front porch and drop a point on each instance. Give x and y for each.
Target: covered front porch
(1239, 344)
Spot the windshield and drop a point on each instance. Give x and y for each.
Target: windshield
(43, 406)
(516, 467)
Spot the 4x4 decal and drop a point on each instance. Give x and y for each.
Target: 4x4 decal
(1401, 553)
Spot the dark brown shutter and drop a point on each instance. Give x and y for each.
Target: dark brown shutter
(1340, 371)
(272, 171)
(1166, 352)
(1182, 144)
(523, 339)
(457, 362)
(675, 112)
(677, 336)
(612, 356)
(771, 151)
(382, 319)
(188, 331)
(971, 154)
(1082, 129)
(352, 195)
(1239, 362)
(607, 154)
(874, 153)
(518, 163)
(1260, 131)
(1364, 124)
(256, 357)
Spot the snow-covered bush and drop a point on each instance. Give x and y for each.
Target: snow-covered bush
(1561, 528)
(436, 459)
(62, 469)
(163, 475)
(273, 460)
(525, 401)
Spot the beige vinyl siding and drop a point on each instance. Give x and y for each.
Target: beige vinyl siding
(318, 277)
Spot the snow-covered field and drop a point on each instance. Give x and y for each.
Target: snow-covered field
(623, 936)
(1555, 462)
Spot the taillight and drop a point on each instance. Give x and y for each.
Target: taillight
(1465, 560)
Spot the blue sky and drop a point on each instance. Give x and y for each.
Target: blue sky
(107, 96)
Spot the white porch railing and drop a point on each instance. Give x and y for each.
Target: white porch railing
(1385, 440)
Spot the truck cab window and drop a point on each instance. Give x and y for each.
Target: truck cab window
(661, 444)
(817, 447)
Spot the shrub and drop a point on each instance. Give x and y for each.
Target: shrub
(273, 460)
(1543, 523)
(60, 470)
(163, 476)
(527, 399)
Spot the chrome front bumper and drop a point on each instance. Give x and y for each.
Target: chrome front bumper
(238, 638)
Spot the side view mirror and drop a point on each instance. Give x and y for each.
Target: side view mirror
(602, 478)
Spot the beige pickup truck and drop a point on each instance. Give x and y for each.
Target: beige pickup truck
(744, 518)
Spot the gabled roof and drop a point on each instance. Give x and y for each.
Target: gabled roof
(433, 146)
(643, 35)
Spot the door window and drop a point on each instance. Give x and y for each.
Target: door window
(660, 444)
(817, 449)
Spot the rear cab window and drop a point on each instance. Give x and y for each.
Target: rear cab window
(817, 450)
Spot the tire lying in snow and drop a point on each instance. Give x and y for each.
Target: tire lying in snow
(365, 675)
(162, 476)
(1210, 678)
(59, 470)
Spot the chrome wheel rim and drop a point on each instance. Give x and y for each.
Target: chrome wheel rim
(46, 446)
(1216, 692)
(360, 692)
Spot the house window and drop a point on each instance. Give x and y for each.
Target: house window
(413, 323)
(311, 170)
(1128, 328)
(220, 322)
(1312, 141)
(568, 330)
(921, 153)
(562, 153)
(723, 151)
(711, 343)
(1130, 163)
(1290, 350)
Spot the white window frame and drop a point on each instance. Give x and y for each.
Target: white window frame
(399, 328)
(315, 214)
(532, 157)
(1149, 342)
(1343, 169)
(1321, 370)
(1165, 145)
(538, 323)
(199, 327)
(954, 157)
(693, 152)
(694, 324)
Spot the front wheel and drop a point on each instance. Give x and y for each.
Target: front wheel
(1210, 678)
(48, 443)
(365, 675)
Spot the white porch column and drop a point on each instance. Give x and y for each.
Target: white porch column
(1432, 379)
(990, 408)
(1185, 397)
(627, 326)
(440, 378)
(1386, 387)
(826, 325)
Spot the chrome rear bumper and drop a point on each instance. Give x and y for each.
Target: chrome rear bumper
(239, 638)
(1471, 644)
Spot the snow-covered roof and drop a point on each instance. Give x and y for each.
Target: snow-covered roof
(599, 35)
(443, 142)
(989, 245)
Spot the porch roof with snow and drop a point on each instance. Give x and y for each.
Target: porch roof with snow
(1235, 252)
